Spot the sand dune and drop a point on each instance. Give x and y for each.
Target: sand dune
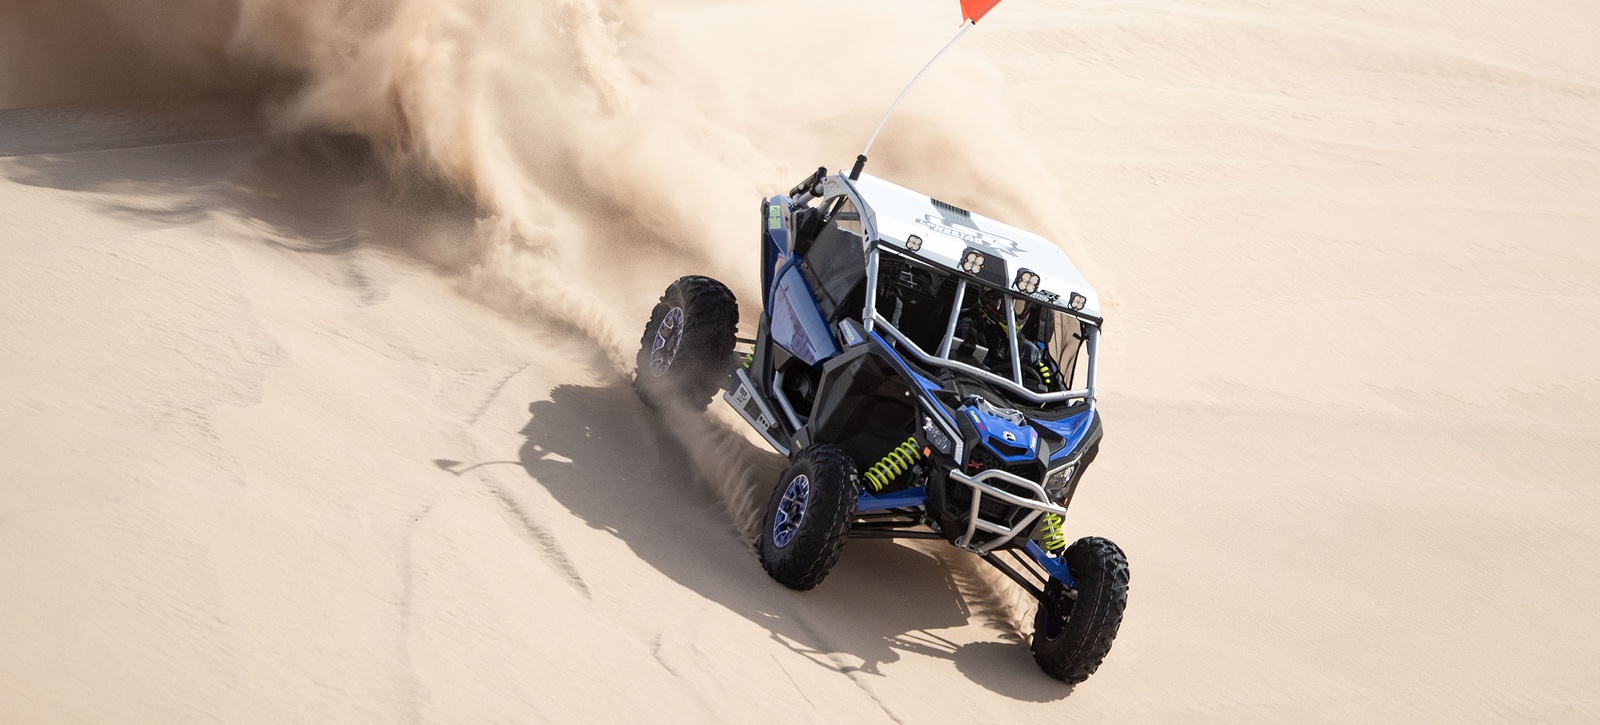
(316, 321)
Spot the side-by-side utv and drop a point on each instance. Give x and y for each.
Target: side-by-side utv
(930, 374)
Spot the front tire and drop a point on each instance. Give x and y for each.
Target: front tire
(1072, 635)
(687, 348)
(809, 517)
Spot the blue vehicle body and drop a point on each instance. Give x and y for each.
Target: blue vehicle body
(856, 348)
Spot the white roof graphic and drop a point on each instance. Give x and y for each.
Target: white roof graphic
(896, 213)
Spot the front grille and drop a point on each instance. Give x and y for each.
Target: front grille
(992, 509)
(984, 459)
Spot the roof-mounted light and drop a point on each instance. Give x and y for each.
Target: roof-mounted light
(1027, 282)
(972, 262)
(1078, 301)
(914, 243)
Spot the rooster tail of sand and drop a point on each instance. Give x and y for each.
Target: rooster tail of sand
(598, 140)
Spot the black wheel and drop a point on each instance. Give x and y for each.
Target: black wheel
(809, 517)
(687, 348)
(1072, 635)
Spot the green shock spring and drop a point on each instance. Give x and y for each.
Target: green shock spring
(1052, 535)
(899, 460)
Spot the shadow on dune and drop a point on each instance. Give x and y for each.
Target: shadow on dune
(621, 468)
(305, 192)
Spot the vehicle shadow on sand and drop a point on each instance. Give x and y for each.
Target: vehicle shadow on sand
(681, 491)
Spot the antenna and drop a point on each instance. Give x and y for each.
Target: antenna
(971, 12)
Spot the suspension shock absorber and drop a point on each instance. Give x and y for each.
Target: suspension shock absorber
(1052, 535)
(893, 465)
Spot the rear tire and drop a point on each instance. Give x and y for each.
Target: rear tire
(686, 352)
(809, 517)
(1071, 636)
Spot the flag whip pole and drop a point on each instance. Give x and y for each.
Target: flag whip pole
(861, 161)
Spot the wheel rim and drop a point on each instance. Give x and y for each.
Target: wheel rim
(791, 511)
(669, 335)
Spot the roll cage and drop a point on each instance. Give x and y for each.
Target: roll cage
(838, 197)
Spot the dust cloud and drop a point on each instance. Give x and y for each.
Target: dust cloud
(608, 145)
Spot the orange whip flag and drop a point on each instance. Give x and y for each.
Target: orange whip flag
(974, 10)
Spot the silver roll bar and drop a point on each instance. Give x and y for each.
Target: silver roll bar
(1011, 335)
(918, 353)
(955, 316)
(1094, 348)
(870, 313)
(872, 321)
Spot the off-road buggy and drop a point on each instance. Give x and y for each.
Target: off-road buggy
(930, 374)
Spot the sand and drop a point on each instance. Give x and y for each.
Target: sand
(314, 406)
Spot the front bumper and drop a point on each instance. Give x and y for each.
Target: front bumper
(1034, 498)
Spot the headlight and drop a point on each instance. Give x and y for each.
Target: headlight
(936, 437)
(1056, 481)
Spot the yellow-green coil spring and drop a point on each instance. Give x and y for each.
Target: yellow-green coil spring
(1051, 534)
(891, 466)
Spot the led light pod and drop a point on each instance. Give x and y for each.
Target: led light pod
(1027, 282)
(972, 262)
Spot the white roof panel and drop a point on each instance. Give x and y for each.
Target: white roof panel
(947, 232)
